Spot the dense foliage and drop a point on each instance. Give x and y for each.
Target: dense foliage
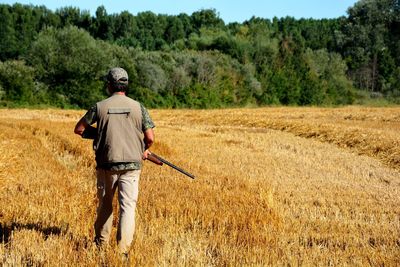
(197, 61)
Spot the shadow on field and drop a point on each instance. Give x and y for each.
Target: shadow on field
(6, 230)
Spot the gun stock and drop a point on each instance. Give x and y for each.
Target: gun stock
(152, 157)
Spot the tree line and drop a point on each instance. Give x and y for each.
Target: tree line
(197, 61)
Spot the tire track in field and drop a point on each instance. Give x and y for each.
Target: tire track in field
(364, 141)
(385, 148)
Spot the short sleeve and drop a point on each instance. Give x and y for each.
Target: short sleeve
(147, 122)
(91, 115)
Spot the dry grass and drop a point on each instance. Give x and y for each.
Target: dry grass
(274, 186)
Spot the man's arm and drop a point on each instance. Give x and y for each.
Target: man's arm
(147, 128)
(84, 128)
(148, 141)
(81, 126)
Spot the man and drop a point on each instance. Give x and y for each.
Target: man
(119, 147)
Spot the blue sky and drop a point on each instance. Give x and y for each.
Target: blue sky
(228, 10)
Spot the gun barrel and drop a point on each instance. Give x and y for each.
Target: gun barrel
(173, 166)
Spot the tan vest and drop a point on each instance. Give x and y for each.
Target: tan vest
(119, 131)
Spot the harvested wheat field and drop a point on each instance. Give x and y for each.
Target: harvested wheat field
(273, 187)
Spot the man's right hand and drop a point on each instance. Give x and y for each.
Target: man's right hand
(146, 154)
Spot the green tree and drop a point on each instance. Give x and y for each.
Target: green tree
(151, 76)
(71, 63)
(26, 27)
(69, 15)
(330, 69)
(8, 44)
(17, 83)
(367, 32)
(175, 30)
(187, 23)
(150, 31)
(102, 26)
(207, 18)
(124, 28)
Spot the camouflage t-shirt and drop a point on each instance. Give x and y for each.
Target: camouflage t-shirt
(147, 123)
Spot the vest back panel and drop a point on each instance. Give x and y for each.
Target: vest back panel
(119, 131)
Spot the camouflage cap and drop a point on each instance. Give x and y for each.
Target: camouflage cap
(117, 75)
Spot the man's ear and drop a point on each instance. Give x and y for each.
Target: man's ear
(109, 89)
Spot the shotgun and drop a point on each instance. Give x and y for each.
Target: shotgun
(160, 161)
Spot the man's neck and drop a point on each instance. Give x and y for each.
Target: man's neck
(119, 93)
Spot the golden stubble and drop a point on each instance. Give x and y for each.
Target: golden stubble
(274, 186)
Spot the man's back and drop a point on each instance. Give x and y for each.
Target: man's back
(119, 126)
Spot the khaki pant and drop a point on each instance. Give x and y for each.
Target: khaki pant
(127, 183)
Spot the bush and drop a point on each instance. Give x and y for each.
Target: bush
(17, 83)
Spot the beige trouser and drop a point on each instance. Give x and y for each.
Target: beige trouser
(127, 183)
